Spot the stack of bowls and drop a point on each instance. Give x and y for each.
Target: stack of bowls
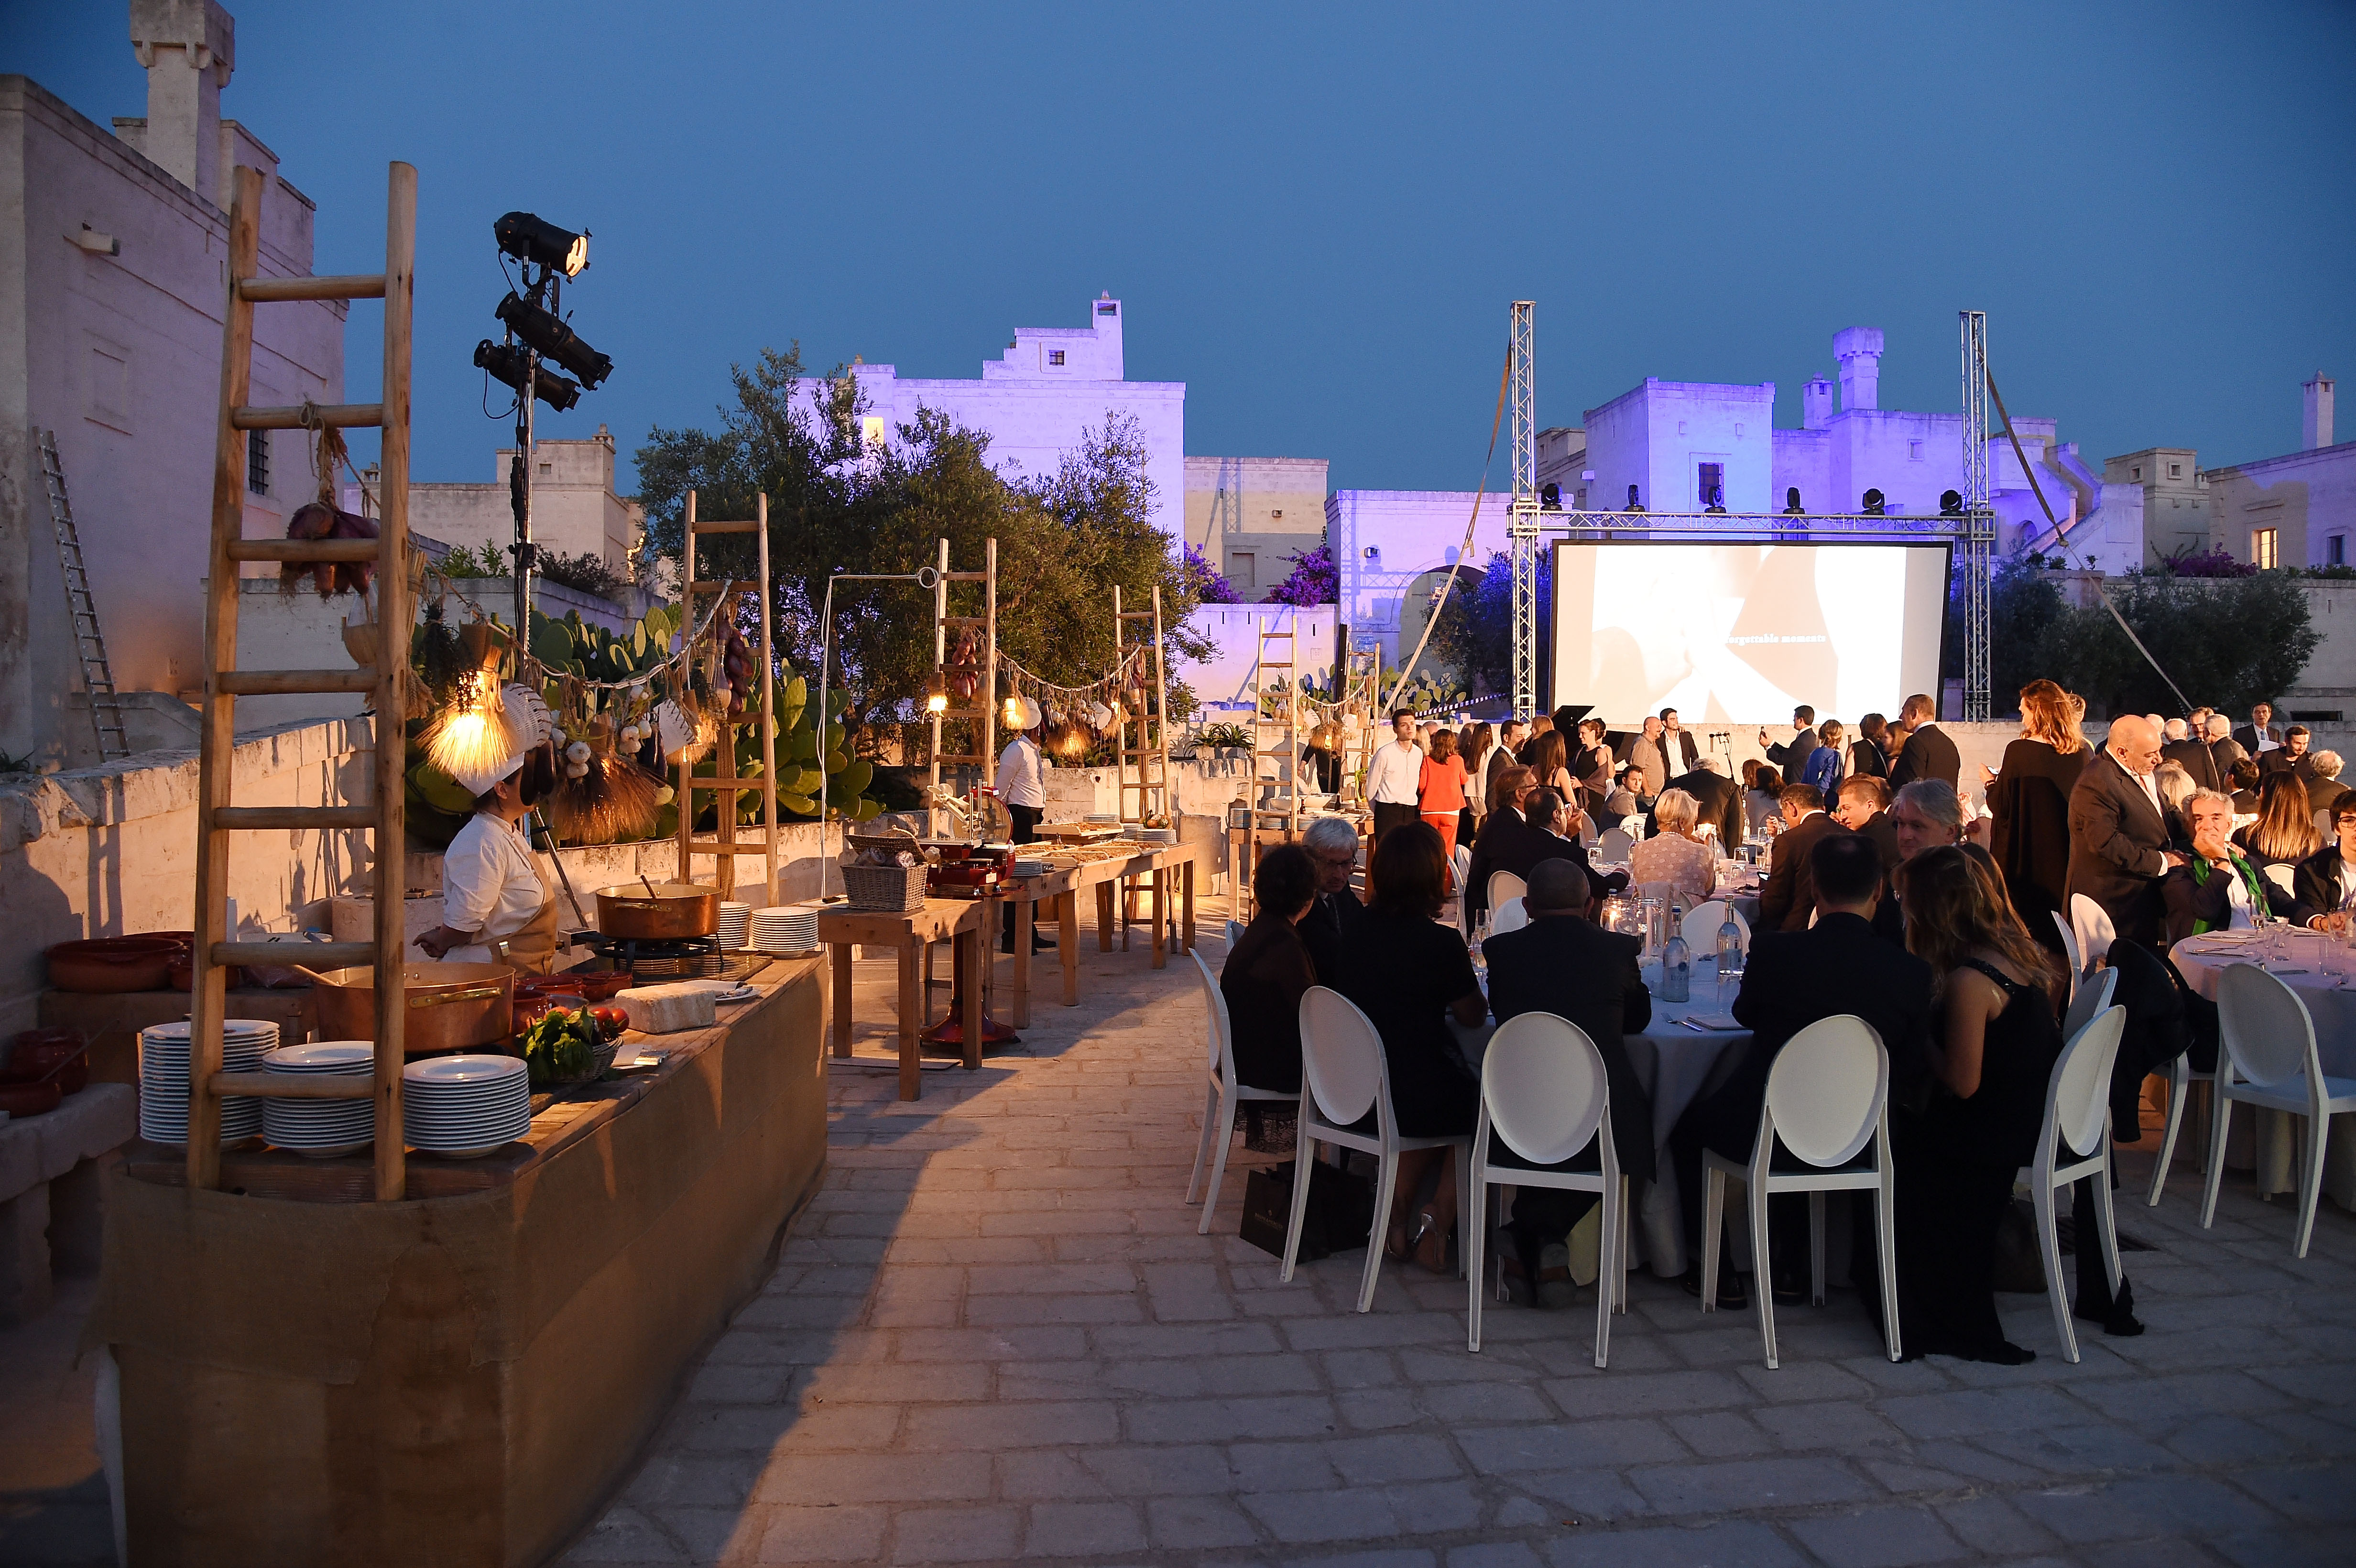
(735, 920)
(462, 1107)
(164, 1079)
(321, 1129)
(786, 928)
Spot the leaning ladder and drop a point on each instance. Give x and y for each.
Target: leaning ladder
(723, 781)
(81, 610)
(983, 713)
(216, 818)
(1272, 815)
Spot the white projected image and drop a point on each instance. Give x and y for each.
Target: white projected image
(1742, 632)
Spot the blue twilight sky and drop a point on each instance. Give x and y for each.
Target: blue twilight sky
(1317, 215)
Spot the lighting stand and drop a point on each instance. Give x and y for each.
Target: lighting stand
(547, 293)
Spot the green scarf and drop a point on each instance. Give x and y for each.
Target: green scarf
(2250, 884)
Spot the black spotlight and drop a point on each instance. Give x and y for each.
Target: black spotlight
(1873, 504)
(554, 340)
(1951, 503)
(530, 237)
(506, 364)
(1791, 507)
(1550, 497)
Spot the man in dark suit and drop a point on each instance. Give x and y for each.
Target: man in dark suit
(1717, 801)
(2223, 747)
(1511, 735)
(1864, 807)
(1561, 963)
(1789, 759)
(2291, 757)
(1790, 895)
(2192, 754)
(1332, 846)
(2259, 734)
(2324, 791)
(1928, 753)
(1790, 980)
(2118, 837)
(1677, 742)
(1545, 829)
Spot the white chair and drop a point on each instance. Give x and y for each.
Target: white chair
(1343, 1078)
(1545, 1096)
(1511, 915)
(2091, 925)
(1613, 844)
(1827, 1097)
(1503, 885)
(1235, 933)
(2280, 874)
(2074, 1141)
(1701, 924)
(2181, 1076)
(2069, 951)
(1223, 1098)
(1587, 832)
(2090, 999)
(2269, 1060)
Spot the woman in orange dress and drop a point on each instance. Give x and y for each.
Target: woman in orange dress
(1439, 791)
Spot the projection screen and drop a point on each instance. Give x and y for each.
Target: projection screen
(1741, 633)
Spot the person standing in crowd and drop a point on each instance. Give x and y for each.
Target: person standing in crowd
(1928, 753)
(1393, 776)
(1332, 844)
(1675, 854)
(1269, 969)
(1864, 807)
(1440, 791)
(2217, 888)
(2118, 837)
(2284, 833)
(1022, 788)
(2291, 757)
(1789, 897)
(1869, 753)
(1644, 750)
(1679, 748)
(2189, 748)
(1591, 766)
(1762, 799)
(1954, 1162)
(1539, 726)
(2222, 746)
(1473, 749)
(2323, 888)
(1562, 964)
(2259, 734)
(1824, 767)
(1510, 736)
(2176, 787)
(1548, 762)
(1789, 759)
(1717, 803)
(2324, 790)
(1409, 974)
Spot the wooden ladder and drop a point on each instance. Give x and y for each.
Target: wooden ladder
(725, 847)
(1146, 795)
(81, 613)
(983, 715)
(216, 818)
(1277, 738)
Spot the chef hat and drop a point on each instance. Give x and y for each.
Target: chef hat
(1025, 713)
(529, 720)
(477, 781)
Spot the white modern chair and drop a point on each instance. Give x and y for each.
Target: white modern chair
(1503, 885)
(2281, 876)
(2181, 1076)
(1544, 1096)
(1827, 1097)
(2090, 999)
(1613, 844)
(1343, 1078)
(1234, 934)
(2069, 951)
(2074, 1141)
(1511, 915)
(1701, 924)
(1223, 1100)
(2091, 925)
(2267, 1059)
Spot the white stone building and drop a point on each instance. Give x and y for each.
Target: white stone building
(111, 288)
(2299, 509)
(1246, 514)
(574, 508)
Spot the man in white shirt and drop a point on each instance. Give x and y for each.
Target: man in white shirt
(1022, 788)
(1394, 776)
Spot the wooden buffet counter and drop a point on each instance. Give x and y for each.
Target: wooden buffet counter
(463, 1377)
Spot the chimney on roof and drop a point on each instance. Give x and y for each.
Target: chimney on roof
(1858, 349)
(2315, 418)
(188, 47)
(1815, 403)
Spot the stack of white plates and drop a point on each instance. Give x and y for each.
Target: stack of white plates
(784, 928)
(164, 1079)
(465, 1106)
(321, 1127)
(735, 920)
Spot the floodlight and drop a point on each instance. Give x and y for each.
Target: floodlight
(507, 364)
(528, 237)
(554, 340)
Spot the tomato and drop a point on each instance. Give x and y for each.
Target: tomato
(612, 1021)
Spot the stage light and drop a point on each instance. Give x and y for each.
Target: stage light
(936, 696)
(1550, 497)
(1791, 507)
(1873, 504)
(506, 364)
(528, 237)
(1951, 503)
(554, 340)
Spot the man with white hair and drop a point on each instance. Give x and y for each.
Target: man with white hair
(1332, 846)
(2174, 730)
(1718, 802)
(2223, 747)
(2189, 748)
(2118, 834)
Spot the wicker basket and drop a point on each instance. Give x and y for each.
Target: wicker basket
(894, 889)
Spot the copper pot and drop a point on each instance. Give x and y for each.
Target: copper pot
(55, 1055)
(451, 1006)
(629, 912)
(114, 963)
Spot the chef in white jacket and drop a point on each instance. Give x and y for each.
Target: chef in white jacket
(497, 904)
(1022, 786)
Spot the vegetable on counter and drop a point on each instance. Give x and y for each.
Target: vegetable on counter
(562, 1047)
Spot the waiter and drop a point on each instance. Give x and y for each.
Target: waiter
(497, 905)
(1023, 787)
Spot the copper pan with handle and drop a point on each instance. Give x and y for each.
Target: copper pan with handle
(452, 1007)
(647, 910)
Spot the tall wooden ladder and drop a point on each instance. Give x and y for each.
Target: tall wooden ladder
(724, 846)
(81, 613)
(982, 714)
(1142, 760)
(1273, 814)
(217, 817)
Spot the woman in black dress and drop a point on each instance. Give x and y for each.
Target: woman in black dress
(1955, 1161)
(1269, 970)
(2029, 799)
(1869, 755)
(1409, 974)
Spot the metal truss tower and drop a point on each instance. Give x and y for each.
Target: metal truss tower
(1979, 521)
(1522, 528)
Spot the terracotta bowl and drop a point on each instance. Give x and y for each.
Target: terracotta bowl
(30, 1099)
(595, 985)
(113, 964)
(37, 1053)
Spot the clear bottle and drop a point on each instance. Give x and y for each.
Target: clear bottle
(1677, 970)
(1729, 950)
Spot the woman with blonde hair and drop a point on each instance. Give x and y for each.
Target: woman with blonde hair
(1675, 854)
(1998, 1039)
(2029, 799)
(2285, 832)
(2174, 786)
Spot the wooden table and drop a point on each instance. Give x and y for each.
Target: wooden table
(964, 924)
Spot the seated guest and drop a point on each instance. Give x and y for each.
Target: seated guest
(1789, 897)
(1676, 855)
(1790, 980)
(2175, 786)
(2243, 778)
(1926, 815)
(1269, 968)
(1762, 799)
(1639, 786)
(2217, 888)
(1955, 1159)
(1617, 808)
(1864, 807)
(2324, 886)
(1332, 843)
(2291, 757)
(2324, 789)
(1825, 767)
(2283, 834)
(1501, 833)
(1558, 837)
(1409, 974)
(1561, 963)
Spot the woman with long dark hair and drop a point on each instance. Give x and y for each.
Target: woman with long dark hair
(1548, 761)
(1998, 1041)
(2283, 834)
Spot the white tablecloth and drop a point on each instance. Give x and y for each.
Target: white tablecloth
(2315, 967)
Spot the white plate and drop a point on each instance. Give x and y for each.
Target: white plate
(325, 1056)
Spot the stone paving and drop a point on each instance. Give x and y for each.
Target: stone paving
(995, 1337)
